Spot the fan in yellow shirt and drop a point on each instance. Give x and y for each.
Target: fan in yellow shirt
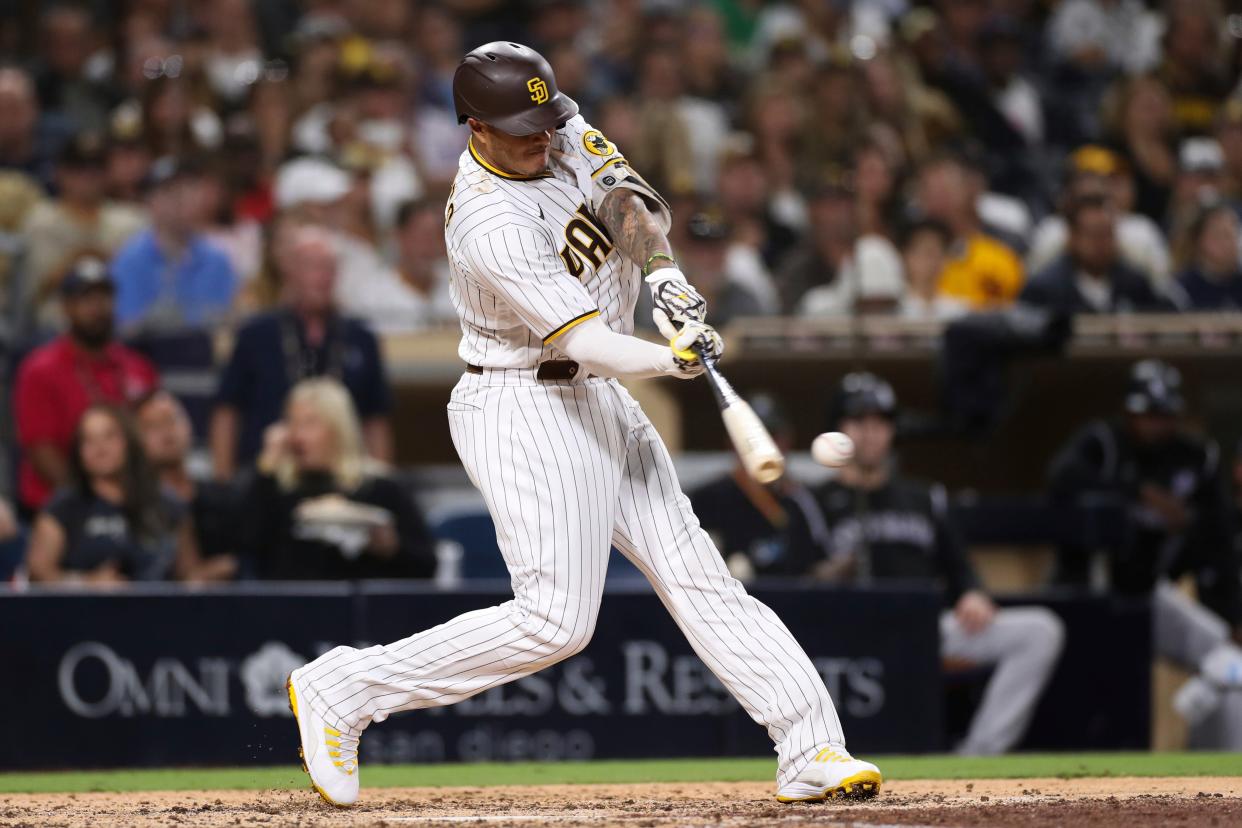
(981, 271)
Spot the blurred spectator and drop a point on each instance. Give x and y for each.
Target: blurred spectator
(422, 263)
(232, 59)
(60, 380)
(319, 508)
(1193, 68)
(69, 73)
(776, 117)
(1200, 181)
(820, 26)
(173, 120)
(29, 141)
(1144, 131)
(703, 255)
(1229, 135)
(227, 225)
(900, 101)
(1099, 36)
(320, 192)
(680, 137)
(370, 128)
(747, 520)
(1212, 279)
(709, 72)
(835, 97)
(19, 196)
(167, 439)
(375, 135)
(1175, 522)
(128, 163)
(80, 221)
(1000, 107)
(1004, 217)
(876, 170)
(1097, 171)
(924, 250)
(1013, 94)
(306, 337)
(834, 271)
(878, 525)
(170, 276)
(746, 198)
(439, 43)
(111, 523)
(981, 271)
(1091, 276)
(315, 44)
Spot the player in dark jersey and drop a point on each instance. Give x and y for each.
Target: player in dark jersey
(1175, 522)
(883, 526)
(747, 519)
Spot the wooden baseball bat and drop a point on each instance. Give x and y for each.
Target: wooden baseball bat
(760, 457)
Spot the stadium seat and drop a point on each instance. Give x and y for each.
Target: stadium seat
(476, 534)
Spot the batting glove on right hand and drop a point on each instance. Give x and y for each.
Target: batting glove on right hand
(686, 362)
(675, 298)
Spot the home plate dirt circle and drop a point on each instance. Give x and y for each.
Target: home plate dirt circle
(1125, 802)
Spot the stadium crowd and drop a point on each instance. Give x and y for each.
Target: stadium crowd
(172, 168)
(277, 168)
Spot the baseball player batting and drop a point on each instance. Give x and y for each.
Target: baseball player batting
(551, 236)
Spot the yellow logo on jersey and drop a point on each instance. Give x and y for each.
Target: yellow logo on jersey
(597, 144)
(538, 89)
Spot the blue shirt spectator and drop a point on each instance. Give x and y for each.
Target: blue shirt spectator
(195, 289)
(308, 337)
(170, 276)
(273, 353)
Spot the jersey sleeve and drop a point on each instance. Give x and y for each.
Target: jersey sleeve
(519, 264)
(602, 164)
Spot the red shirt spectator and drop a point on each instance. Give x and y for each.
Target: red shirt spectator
(60, 380)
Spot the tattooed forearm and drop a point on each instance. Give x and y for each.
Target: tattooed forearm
(634, 229)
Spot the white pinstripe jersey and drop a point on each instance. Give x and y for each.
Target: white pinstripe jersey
(527, 257)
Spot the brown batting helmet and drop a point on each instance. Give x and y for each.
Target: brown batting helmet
(510, 87)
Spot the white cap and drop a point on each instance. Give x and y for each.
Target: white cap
(310, 181)
(1201, 155)
(881, 274)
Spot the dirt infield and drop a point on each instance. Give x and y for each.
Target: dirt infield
(1125, 802)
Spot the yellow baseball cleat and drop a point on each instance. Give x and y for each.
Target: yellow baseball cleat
(833, 774)
(329, 755)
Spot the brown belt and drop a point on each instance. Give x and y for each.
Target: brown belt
(553, 369)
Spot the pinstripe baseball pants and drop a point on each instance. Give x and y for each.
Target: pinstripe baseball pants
(568, 469)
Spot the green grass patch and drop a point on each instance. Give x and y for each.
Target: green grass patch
(639, 771)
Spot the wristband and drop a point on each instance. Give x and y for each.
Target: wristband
(646, 271)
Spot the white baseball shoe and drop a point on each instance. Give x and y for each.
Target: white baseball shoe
(329, 755)
(833, 773)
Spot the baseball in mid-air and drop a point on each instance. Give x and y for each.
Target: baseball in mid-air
(832, 449)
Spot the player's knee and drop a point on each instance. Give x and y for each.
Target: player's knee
(1044, 632)
(561, 638)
